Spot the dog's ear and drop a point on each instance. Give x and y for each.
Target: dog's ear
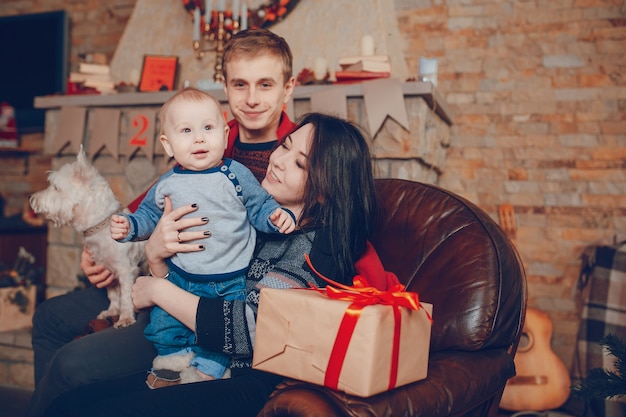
(82, 168)
(81, 157)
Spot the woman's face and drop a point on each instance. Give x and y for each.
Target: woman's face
(287, 171)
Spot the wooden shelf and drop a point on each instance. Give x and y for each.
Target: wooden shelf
(14, 150)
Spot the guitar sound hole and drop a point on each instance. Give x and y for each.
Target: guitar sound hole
(524, 343)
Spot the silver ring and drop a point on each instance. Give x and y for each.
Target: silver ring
(178, 237)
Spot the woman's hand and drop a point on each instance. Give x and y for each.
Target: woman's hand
(97, 274)
(168, 238)
(145, 291)
(150, 291)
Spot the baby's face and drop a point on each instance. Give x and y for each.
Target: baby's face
(196, 134)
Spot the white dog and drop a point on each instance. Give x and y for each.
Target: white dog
(79, 196)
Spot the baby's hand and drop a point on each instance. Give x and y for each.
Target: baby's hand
(283, 220)
(119, 227)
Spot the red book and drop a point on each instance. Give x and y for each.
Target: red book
(358, 76)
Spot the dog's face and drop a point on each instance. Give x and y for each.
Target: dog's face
(73, 188)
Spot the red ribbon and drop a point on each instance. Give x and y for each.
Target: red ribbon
(362, 294)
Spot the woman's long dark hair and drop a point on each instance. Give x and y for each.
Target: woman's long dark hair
(339, 193)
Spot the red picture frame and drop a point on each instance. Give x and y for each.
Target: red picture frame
(158, 73)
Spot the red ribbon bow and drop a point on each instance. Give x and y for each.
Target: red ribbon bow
(362, 294)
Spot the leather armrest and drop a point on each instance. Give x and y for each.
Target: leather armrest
(456, 381)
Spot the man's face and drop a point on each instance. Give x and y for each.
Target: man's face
(256, 94)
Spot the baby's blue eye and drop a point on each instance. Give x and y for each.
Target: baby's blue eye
(186, 130)
(208, 127)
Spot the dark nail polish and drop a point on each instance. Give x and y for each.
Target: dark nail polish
(207, 233)
(201, 247)
(194, 205)
(205, 219)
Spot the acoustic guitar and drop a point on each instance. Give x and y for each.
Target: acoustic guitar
(542, 381)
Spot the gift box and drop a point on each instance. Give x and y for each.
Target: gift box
(342, 342)
(17, 306)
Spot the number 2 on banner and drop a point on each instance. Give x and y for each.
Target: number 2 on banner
(141, 124)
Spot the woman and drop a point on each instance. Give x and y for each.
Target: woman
(322, 173)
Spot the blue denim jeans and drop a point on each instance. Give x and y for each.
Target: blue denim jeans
(170, 336)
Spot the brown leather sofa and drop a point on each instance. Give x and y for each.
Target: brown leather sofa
(457, 258)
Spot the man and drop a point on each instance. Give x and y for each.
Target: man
(259, 82)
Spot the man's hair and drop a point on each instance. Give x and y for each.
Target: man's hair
(190, 94)
(252, 43)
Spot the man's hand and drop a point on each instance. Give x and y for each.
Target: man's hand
(98, 275)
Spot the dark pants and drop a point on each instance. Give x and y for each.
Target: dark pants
(63, 362)
(243, 395)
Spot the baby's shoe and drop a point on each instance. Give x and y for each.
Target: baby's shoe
(159, 378)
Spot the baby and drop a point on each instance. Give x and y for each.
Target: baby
(194, 132)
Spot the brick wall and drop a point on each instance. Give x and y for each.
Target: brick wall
(22, 173)
(539, 95)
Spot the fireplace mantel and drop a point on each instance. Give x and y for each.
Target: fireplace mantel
(424, 90)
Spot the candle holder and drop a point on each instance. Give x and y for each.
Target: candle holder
(214, 28)
(214, 35)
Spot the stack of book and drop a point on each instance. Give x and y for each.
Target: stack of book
(360, 68)
(97, 76)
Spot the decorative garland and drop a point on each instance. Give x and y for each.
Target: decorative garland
(263, 17)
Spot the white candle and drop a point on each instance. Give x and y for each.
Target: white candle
(196, 24)
(367, 45)
(235, 10)
(320, 68)
(134, 76)
(428, 70)
(208, 7)
(244, 16)
(221, 9)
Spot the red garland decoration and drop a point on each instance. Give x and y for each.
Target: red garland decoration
(263, 17)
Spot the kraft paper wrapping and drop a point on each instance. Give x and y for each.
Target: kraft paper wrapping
(296, 330)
